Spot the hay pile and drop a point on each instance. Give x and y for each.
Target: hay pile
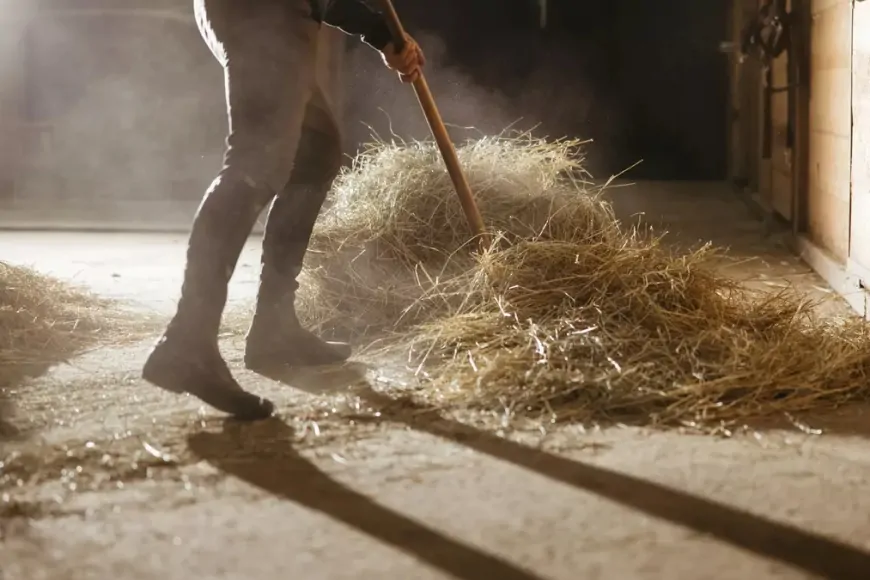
(570, 315)
(394, 248)
(44, 321)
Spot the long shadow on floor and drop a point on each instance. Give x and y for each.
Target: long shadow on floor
(788, 544)
(262, 454)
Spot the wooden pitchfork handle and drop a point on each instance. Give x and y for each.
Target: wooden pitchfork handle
(439, 131)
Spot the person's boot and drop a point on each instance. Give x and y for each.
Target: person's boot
(186, 359)
(197, 368)
(275, 338)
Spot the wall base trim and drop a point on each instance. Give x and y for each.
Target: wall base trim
(838, 275)
(849, 280)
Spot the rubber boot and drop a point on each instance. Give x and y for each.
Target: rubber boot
(276, 338)
(186, 359)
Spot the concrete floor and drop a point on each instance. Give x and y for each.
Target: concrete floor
(122, 481)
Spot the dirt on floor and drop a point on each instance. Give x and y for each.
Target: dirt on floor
(108, 477)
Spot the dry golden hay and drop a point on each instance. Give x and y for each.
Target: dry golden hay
(570, 315)
(44, 321)
(394, 248)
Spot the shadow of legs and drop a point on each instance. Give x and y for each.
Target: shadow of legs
(790, 545)
(262, 454)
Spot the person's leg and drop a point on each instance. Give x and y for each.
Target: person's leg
(268, 61)
(275, 337)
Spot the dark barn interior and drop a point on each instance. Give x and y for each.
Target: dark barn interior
(644, 80)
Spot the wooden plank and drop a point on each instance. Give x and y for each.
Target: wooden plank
(859, 245)
(780, 157)
(830, 101)
(828, 199)
(751, 128)
(800, 53)
(830, 170)
(735, 115)
(818, 6)
(828, 180)
(826, 220)
(750, 107)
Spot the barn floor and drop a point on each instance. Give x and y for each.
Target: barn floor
(125, 481)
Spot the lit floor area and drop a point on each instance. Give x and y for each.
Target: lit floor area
(166, 491)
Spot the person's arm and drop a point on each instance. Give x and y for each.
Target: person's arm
(357, 18)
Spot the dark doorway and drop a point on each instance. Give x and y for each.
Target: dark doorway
(644, 80)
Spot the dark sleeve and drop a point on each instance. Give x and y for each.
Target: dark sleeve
(357, 18)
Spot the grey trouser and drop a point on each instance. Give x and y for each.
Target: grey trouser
(283, 146)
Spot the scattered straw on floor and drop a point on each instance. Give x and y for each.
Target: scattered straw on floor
(44, 321)
(570, 315)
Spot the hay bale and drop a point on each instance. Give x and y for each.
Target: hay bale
(570, 315)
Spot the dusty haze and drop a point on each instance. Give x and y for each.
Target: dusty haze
(551, 102)
(134, 109)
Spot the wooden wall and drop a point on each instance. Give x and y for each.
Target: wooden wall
(780, 178)
(807, 177)
(817, 175)
(767, 171)
(830, 127)
(745, 107)
(860, 218)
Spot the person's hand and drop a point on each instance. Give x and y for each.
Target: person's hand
(408, 62)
